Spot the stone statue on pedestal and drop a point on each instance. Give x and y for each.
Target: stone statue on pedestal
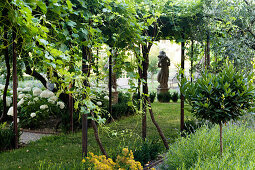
(163, 63)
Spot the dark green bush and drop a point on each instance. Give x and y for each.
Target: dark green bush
(175, 96)
(164, 97)
(152, 96)
(191, 125)
(147, 150)
(220, 97)
(6, 137)
(122, 108)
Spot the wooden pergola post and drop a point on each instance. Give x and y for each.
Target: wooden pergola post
(182, 76)
(110, 83)
(15, 84)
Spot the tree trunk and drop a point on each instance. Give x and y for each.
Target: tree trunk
(15, 84)
(182, 76)
(8, 68)
(208, 49)
(85, 71)
(71, 108)
(110, 83)
(139, 82)
(145, 64)
(221, 146)
(94, 126)
(191, 60)
(157, 126)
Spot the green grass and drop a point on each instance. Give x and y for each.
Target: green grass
(67, 148)
(201, 150)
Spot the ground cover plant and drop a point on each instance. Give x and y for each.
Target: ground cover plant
(201, 149)
(65, 149)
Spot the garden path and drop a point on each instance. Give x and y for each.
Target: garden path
(27, 137)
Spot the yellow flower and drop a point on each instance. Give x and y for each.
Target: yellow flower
(125, 151)
(83, 161)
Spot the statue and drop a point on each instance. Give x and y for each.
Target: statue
(163, 63)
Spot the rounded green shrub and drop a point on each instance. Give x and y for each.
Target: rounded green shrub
(164, 97)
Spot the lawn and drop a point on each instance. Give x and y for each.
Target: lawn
(66, 148)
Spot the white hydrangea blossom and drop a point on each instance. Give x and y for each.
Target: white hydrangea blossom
(8, 101)
(61, 105)
(21, 96)
(51, 101)
(30, 102)
(33, 115)
(19, 89)
(36, 99)
(106, 97)
(99, 103)
(43, 107)
(27, 89)
(2, 86)
(28, 96)
(37, 91)
(10, 111)
(17, 120)
(53, 98)
(21, 102)
(46, 94)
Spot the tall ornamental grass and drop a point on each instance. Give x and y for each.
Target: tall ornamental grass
(201, 149)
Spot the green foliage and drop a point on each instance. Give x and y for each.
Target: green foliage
(164, 97)
(6, 137)
(122, 108)
(147, 151)
(201, 149)
(152, 96)
(220, 97)
(66, 148)
(36, 110)
(191, 125)
(175, 96)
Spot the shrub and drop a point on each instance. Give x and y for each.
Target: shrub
(6, 137)
(191, 125)
(125, 160)
(35, 108)
(164, 97)
(201, 149)
(122, 108)
(220, 97)
(152, 96)
(175, 96)
(147, 151)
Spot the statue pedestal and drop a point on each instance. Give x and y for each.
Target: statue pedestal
(162, 90)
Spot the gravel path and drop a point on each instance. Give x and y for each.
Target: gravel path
(27, 137)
